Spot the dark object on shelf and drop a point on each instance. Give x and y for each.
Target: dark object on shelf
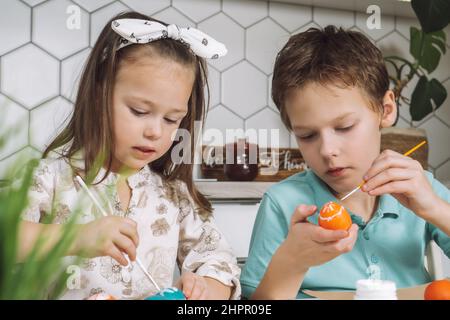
(241, 161)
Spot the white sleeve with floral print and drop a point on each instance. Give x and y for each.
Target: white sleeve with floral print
(40, 195)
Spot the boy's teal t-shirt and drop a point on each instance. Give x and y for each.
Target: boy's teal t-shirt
(391, 246)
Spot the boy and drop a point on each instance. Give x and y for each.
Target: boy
(332, 90)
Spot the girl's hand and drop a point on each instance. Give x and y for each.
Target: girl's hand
(404, 179)
(108, 236)
(310, 245)
(194, 287)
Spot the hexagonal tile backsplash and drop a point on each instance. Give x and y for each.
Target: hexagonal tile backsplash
(41, 59)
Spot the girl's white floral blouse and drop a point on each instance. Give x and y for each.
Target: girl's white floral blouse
(170, 231)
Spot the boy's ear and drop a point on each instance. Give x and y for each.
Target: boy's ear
(389, 110)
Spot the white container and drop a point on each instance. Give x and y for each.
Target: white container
(371, 289)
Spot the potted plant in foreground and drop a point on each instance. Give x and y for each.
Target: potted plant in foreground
(41, 274)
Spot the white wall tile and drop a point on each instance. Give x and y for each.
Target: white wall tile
(15, 20)
(214, 82)
(29, 75)
(387, 25)
(402, 123)
(306, 27)
(33, 2)
(173, 16)
(264, 121)
(13, 127)
(443, 172)
(215, 131)
(92, 5)
(438, 136)
(245, 12)
(102, 16)
(403, 25)
(71, 69)
(197, 10)
(290, 16)
(265, 39)
(55, 30)
(395, 44)
(269, 94)
(147, 7)
(237, 82)
(339, 18)
(11, 166)
(225, 30)
(47, 120)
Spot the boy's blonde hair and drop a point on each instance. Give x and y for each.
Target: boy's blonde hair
(329, 56)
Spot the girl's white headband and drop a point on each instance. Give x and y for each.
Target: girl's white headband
(144, 31)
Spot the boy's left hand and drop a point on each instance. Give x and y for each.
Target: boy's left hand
(194, 287)
(403, 178)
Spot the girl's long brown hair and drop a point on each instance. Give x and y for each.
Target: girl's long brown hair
(90, 128)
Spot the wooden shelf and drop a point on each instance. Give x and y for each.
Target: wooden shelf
(228, 191)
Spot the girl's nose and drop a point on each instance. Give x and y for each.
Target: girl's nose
(153, 130)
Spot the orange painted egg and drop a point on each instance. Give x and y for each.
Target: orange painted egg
(438, 290)
(333, 216)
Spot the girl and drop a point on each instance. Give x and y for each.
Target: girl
(142, 83)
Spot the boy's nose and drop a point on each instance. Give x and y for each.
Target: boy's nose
(329, 147)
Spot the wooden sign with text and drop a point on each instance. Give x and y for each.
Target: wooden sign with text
(273, 164)
(278, 164)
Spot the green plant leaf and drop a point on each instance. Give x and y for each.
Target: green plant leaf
(427, 48)
(433, 14)
(40, 274)
(424, 95)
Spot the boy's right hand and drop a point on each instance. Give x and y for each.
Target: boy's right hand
(311, 245)
(108, 236)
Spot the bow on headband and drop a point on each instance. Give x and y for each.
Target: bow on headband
(144, 31)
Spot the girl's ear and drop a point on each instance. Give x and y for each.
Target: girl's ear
(389, 110)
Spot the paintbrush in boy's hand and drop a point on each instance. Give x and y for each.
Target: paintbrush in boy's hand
(407, 153)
